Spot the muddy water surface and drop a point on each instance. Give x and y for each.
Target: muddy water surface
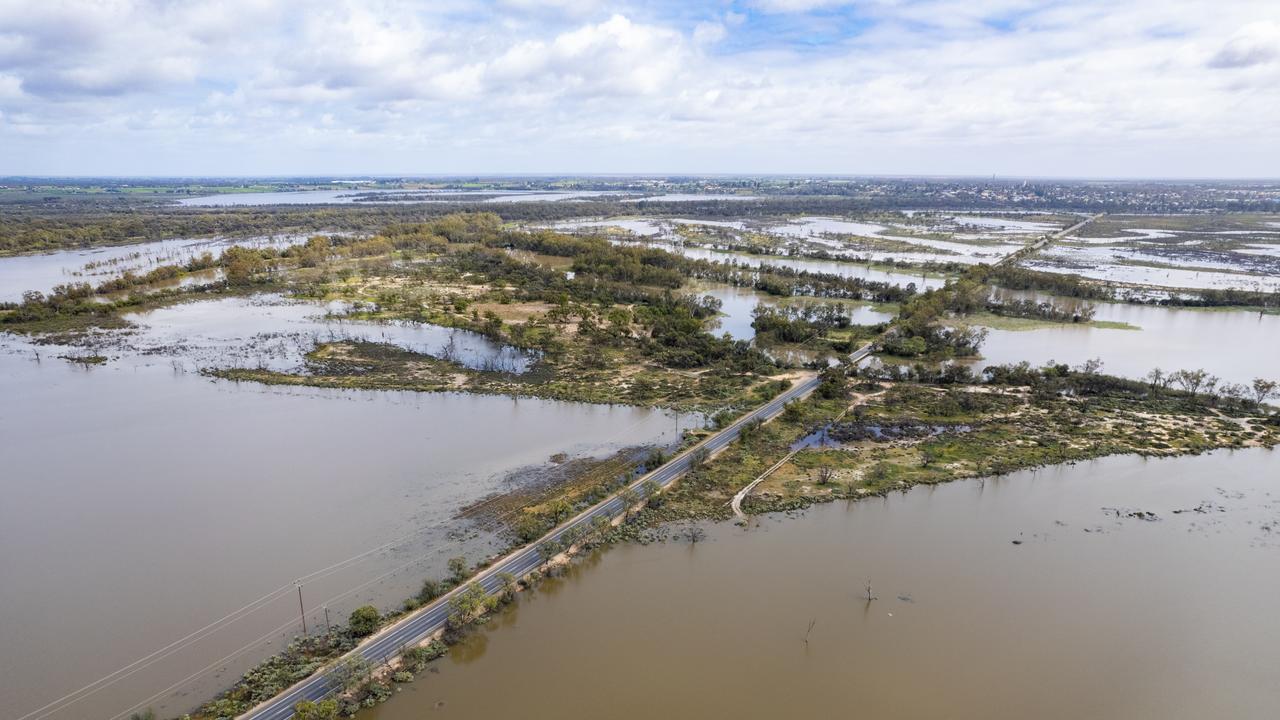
(737, 305)
(143, 501)
(1093, 615)
(1236, 345)
(42, 272)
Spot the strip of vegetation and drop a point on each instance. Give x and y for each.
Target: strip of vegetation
(898, 435)
(1013, 277)
(355, 684)
(919, 330)
(1046, 310)
(817, 325)
(906, 433)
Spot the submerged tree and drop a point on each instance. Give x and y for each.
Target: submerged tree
(694, 534)
(458, 570)
(364, 620)
(431, 590)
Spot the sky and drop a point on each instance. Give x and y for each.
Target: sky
(1078, 88)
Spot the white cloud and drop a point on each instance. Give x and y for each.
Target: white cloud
(615, 57)
(1255, 44)
(796, 6)
(576, 8)
(708, 33)
(923, 86)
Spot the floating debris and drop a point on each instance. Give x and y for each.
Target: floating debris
(1204, 507)
(1124, 513)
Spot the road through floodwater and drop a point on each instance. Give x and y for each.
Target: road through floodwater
(142, 501)
(1094, 614)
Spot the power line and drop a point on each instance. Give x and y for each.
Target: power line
(238, 614)
(200, 672)
(147, 660)
(197, 635)
(207, 668)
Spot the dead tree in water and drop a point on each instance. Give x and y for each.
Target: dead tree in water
(694, 534)
(812, 622)
(870, 597)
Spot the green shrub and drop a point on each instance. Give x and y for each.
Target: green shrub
(364, 620)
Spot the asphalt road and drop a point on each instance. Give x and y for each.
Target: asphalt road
(431, 618)
(1038, 245)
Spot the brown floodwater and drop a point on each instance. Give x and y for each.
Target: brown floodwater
(738, 303)
(1094, 614)
(1234, 344)
(141, 502)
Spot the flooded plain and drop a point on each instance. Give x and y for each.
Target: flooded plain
(365, 196)
(269, 331)
(1092, 613)
(849, 269)
(865, 271)
(1236, 345)
(433, 195)
(1144, 258)
(42, 272)
(143, 501)
(927, 239)
(737, 305)
(1179, 266)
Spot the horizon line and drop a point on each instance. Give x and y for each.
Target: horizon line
(330, 177)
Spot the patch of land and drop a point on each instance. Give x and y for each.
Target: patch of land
(892, 436)
(1001, 322)
(974, 431)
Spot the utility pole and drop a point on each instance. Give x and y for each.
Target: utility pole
(302, 612)
(327, 629)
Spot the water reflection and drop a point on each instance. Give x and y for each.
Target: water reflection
(271, 332)
(1236, 345)
(42, 272)
(737, 305)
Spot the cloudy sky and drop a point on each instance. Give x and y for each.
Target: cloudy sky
(1187, 88)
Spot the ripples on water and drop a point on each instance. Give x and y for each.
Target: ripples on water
(1090, 614)
(143, 500)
